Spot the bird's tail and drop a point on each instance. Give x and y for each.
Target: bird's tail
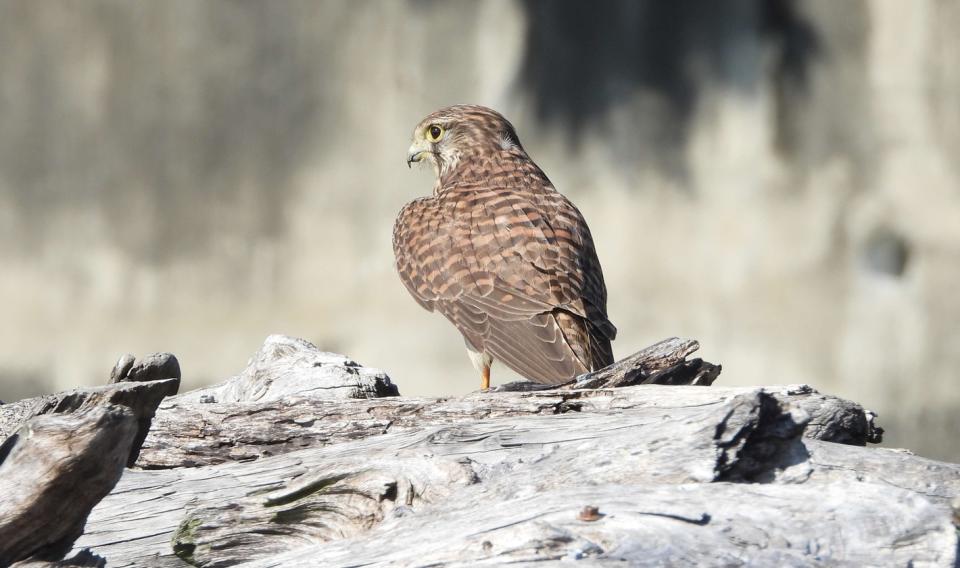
(600, 350)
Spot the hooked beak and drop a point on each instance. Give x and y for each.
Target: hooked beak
(414, 155)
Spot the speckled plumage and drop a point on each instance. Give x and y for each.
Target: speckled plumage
(499, 252)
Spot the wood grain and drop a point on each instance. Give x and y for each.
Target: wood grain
(53, 471)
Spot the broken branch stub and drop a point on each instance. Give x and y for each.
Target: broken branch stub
(142, 398)
(153, 367)
(663, 363)
(54, 470)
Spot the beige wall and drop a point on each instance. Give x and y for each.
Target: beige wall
(779, 180)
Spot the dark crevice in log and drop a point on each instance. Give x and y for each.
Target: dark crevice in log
(8, 445)
(82, 559)
(770, 443)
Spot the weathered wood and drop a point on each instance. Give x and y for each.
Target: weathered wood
(692, 446)
(287, 365)
(53, 471)
(663, 363)
(82, 559)
(189, 434)
(290, 397)
(142, 398)
(842, 524)
(153, 367)
(299, 458)
(541, 454)
(122, 368)
(330, 503)
(832, 419)
(299, 461)
(900, 469)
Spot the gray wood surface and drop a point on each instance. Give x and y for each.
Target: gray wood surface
(439, 475)
(433, 480)
(721, 524)
(186, 433)
(61, 454)
(300, 461)
(286, 366)
(54, 470)
(663, 363)
(153, 367)
(238, 420)
(142, 398)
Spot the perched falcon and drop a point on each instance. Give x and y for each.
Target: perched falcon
(499, 252)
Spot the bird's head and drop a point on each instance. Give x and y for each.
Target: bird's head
(463, 134)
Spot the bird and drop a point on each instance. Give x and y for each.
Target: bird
(499, 252)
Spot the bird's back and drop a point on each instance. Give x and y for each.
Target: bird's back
(510, 261)
(500, 253)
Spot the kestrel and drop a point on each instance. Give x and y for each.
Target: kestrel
(500, 253)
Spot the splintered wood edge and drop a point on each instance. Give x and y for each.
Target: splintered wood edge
(661, 355)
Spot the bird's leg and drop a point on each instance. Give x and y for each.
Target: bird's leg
(481, 362)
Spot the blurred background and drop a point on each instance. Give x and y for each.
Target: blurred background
(779, 180)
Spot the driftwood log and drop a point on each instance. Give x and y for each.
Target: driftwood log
(307, 458)
(270, 469)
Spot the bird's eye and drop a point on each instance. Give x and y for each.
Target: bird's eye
(435, 132)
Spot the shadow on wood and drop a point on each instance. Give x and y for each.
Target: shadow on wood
(54, 470)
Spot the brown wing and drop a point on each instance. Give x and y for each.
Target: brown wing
(515, 271)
